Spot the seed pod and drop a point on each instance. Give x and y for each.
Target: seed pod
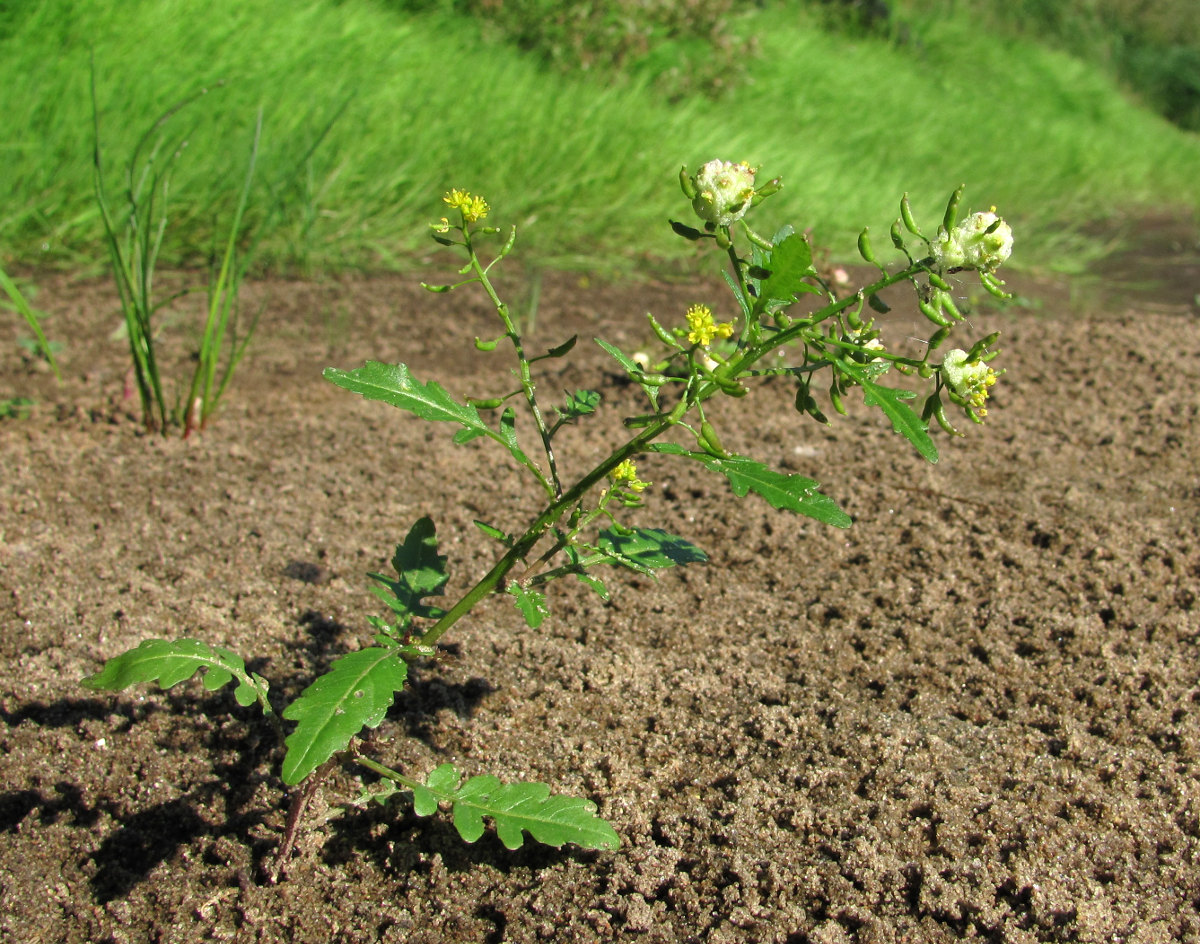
(931, 312)
(481, 345)
(864, 246)
(897, 239)
(936, 341)
(710, 442)
(906, 214)
(938, 282)
(835, 397)
(981, 346)
(951, 216)
(687, 183)
(491, 404)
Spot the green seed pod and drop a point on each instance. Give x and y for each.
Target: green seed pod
(491, 404)
(938, 282)
(897, 238)
(906, 214)
(936, 341)
(939, 414)
(835, 397)
(487, 345)
(864, 245)
(687, 183)
(653, 380)
(710, 442)
(949, 307)
(951, 216)
(925, 371)
(979, 348)
(931, 312)
(436, 288)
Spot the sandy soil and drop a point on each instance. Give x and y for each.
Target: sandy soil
(975, 715)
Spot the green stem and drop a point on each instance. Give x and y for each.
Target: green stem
(555, 510)
(527, 384)
(387, 772)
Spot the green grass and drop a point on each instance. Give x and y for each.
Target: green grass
(583, 164)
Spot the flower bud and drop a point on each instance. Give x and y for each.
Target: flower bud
(723, 191)
(982, 241)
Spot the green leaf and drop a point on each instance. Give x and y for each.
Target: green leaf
(392, 383)
(905, 420)
(782, 489)
(580, 403)
(531, 604)
(631, 367)
(516, 809)
(508, 434)
(790, 264)
(354, 694)
(421, 572)
(171, 661)
(647, 549)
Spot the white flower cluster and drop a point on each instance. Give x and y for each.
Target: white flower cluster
(982, 241)
(723, 191)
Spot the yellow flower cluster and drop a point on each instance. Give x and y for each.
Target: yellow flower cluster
(702, 329)
(625, 474)
(473, 208)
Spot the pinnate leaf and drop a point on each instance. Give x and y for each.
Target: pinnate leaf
(354, 694)
(171, 661)
(516, 809)
(783, 490)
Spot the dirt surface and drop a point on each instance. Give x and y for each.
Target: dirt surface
(975, 715)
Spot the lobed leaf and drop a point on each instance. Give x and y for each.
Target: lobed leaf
(393, 384)
(516, 809)
(647, 549)
(790, 264)
(354, 694)
(531, 604)
(905, 420)
(420, 572)
(782, 490)
(171, 661)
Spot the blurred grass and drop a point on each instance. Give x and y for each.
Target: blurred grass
(583, 163)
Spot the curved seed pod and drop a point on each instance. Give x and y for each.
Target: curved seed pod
(897, 239)
(938, 282)
(491, 404)
(864, 246)
(936, 341)
(481, 345)
(951, 216)
(835, 397)
(939, 414)
(710, 442)
(687, 184)
(906, 214)
(932, 313)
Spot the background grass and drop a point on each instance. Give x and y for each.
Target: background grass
(583, 162)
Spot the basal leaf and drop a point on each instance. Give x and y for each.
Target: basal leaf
(392, 383)
(647, 549)
(790, 265)
(171, 661)
(905, 420)
(531, 604)
(420, 572)
(782, 489)
(354, 694)
(516, 809)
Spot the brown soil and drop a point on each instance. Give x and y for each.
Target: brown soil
(975, 715)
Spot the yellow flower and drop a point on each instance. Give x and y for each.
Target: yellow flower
(701, 327)
(473, 208)
(625, 474)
